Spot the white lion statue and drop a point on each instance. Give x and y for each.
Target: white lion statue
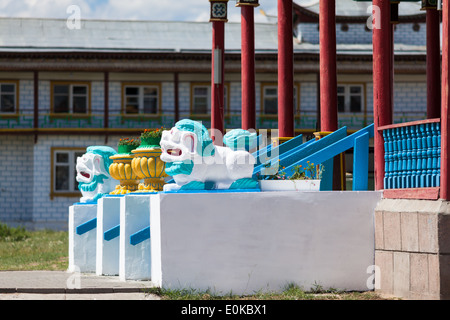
(94, 180)
(195, 163)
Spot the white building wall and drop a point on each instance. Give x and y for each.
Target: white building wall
(16, 177)
(308, 97)
(115, 97)
(410, 97)
(168, 97)
(357, 34)
(405, 34)
(26, 96)
(235, 96)
(44, 96)
(97, 97)
(184, 95)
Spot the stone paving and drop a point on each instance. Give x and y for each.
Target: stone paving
(60, 285)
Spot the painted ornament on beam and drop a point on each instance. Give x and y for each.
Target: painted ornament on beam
(219, 10)
(94, 180)
(195, 163)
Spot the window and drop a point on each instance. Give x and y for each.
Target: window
(141, 99)
(8, 97)
(64, 171)
(70, 98)
(270, 99)
(350, 98)
(201, 98)
(201, 102)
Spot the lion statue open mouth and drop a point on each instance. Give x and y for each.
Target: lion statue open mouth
(195, 163)
(94, 180)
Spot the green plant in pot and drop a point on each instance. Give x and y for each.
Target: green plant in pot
(151, 138)
(126, 145)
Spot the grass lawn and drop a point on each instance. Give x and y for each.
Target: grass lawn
(21, 250)
(291, 292)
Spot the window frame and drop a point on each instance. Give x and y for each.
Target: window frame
(296, 105)
(208, 85)
(15, 113)
(72, 170)
(347, 96)
(141, 86)
(71, 97)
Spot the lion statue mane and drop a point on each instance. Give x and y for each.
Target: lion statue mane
(195, 163)
(94, 180)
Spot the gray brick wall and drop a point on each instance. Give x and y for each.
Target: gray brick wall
(16, 177)
(357, 34)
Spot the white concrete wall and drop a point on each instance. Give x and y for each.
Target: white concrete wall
(134, 261)
(108, 217)
(247, 242)
(82, 248)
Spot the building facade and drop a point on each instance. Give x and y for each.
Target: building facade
(62, 90)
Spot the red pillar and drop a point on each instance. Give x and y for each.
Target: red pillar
(248, 67)
(217, 81)
(382, 86)
(285, 70)
(433, 64)
(328, 69)
(445, 116)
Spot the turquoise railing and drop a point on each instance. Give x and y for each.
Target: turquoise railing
(291, 152)
(412, 154)
(112, 233)
(86, 227)
(140, 236)
(359, 141)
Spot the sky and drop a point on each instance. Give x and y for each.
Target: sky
(156, 10)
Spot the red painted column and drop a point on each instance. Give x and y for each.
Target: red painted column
(248, 67)
(285, 69)
(217, 81)
(328, 69)
(445, 116)
(382, 86)
(433, 64)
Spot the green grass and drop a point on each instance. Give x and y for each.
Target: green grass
(291, 292)
(22, 250)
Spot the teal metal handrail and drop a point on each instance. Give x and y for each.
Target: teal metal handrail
(359, 141)
(288, 155)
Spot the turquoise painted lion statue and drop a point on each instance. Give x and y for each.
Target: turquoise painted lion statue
(195, 163)
(94, 180)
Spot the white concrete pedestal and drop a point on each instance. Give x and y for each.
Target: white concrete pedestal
(108, 218)
(82, 248)
(135, 260)
(263, 241)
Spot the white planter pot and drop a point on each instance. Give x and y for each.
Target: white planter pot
(289, 185)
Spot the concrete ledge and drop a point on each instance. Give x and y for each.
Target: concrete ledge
(248, 242)
(59, 282)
